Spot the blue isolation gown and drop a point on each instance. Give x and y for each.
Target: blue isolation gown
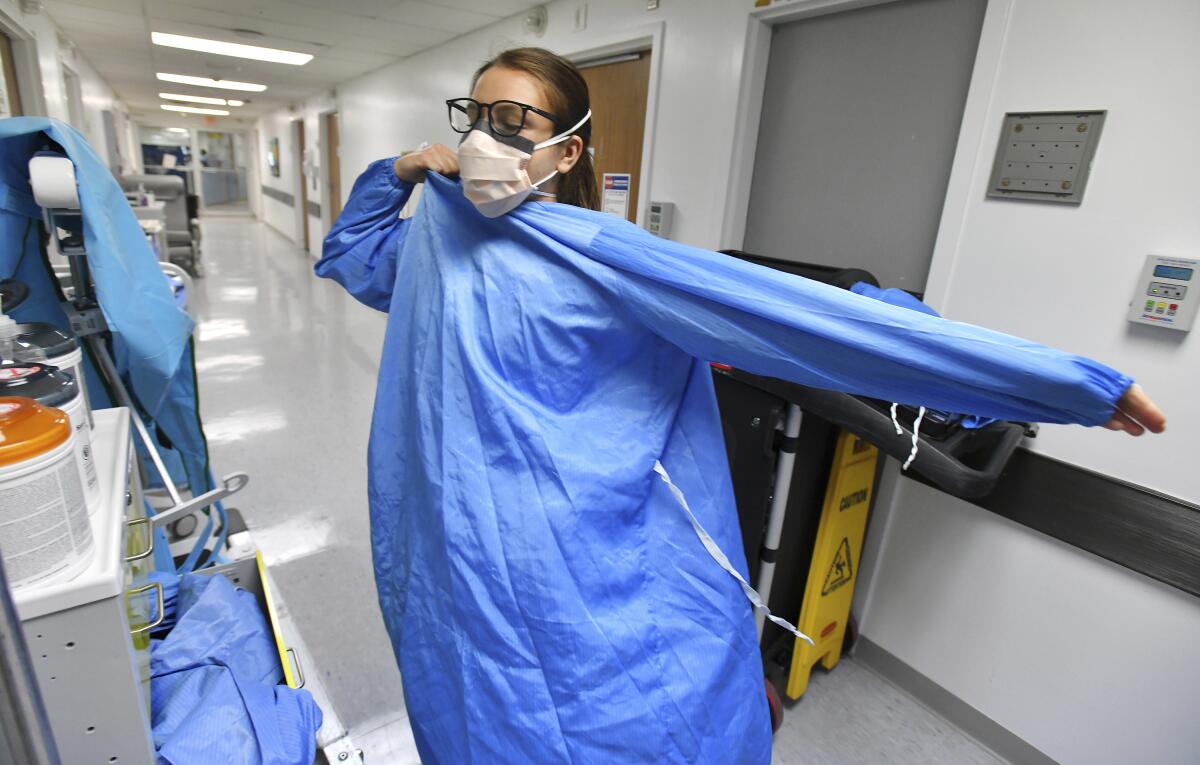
(546, 595)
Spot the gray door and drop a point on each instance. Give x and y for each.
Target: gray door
(860, 120)
(115, 161)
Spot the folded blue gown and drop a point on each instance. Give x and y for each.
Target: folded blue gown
(216, 690)
(546, 595)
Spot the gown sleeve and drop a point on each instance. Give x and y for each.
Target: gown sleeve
(720, 308)
(360, 251)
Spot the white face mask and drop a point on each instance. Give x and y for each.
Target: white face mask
(494, 168)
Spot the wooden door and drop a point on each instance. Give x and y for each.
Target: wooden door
(10, 94)
(334, 170)
(618, 91)
(303, 182)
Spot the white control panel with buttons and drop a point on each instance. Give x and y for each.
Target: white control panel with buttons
(1168, 293)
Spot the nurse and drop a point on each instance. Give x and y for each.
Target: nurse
(544, 412)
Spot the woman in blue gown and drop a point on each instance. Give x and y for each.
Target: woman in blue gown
(544, 375)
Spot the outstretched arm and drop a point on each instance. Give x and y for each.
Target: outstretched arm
(720, 308)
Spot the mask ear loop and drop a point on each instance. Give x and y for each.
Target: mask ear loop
(538, 192)
(550, 142)
(564, 135)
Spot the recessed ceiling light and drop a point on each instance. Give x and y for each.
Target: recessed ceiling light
(230, 49)
(235, 102)
(208, 82)
(193, 99)
(178, 130)
(194, 110)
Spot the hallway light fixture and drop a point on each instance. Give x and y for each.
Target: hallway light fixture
(194, 110)
(274, 55)
(208, 82)
(194, 99)
(235, 102)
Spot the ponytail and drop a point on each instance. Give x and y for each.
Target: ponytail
(578, 185)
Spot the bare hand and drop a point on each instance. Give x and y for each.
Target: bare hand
(412, 166)
(1136, 413)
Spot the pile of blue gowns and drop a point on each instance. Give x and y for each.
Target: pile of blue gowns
(215, 683)
(545, 593)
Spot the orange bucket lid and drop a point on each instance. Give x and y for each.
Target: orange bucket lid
(28, 429)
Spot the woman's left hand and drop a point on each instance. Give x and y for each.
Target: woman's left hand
(1136, 413)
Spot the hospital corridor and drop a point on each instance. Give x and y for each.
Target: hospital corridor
(599, 382)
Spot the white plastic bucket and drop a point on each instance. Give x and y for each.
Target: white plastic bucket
(47, 344)
(53, 387)
(45, 531)
(73, 363)
(77, 412)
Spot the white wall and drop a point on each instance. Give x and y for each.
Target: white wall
(1004, 264)
(277, 124)
(313, 109)
(400, 106)
(51, 100)
(1087, 661)
(276, 214)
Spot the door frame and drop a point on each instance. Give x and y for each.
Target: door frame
(72, 91)
(755, 58)
(296, 126)
(326, 174)
(243, 134)
(976, 145)
(254, 173)
(967, 153)
(25, 64)
(648, 37)
(976, 142)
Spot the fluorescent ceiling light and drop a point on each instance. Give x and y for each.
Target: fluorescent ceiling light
(208, 82)
(193, 99)
(230, 49)
(194, 110)
(235, 102)
(178, 130)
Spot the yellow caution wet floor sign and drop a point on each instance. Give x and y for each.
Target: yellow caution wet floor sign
(830, 585)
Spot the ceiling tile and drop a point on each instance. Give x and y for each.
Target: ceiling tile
(438, 16)
(237, 7)
(371, 9)
(498, 8)
(349, 53)
(67, 14)
(128, 7)
(404, 35)
(278, 27)
(348, 38)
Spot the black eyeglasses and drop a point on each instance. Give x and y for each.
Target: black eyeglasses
(506, 118)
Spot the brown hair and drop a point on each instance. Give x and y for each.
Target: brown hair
(567, 94)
